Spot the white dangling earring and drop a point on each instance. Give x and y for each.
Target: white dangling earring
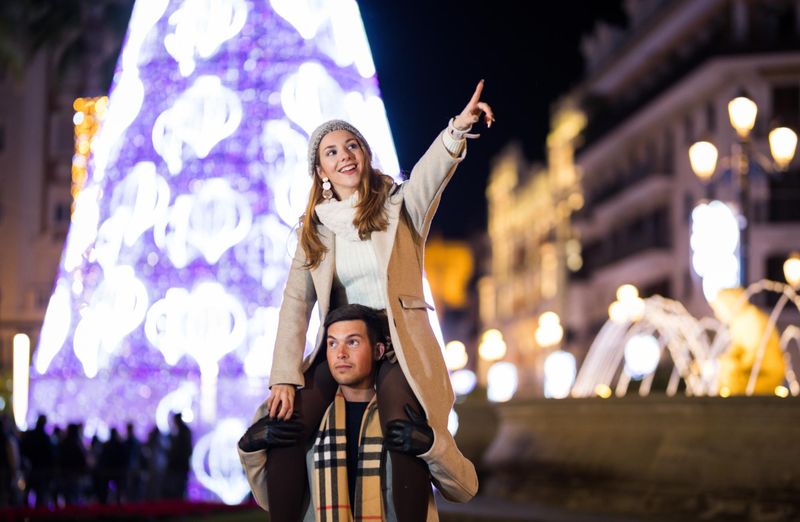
(327, 193)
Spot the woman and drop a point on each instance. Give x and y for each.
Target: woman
(362, 241)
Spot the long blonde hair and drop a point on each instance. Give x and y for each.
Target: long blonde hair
(370, 211)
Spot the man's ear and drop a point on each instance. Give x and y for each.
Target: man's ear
(380, 349)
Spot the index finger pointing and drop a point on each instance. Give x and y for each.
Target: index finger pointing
(476, 97)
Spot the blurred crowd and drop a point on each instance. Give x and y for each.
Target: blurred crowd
(44, 467)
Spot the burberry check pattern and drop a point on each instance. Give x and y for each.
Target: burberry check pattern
(330, 467)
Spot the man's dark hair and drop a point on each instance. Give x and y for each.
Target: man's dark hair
(375, 320)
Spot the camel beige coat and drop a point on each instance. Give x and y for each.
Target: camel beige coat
(399, 250)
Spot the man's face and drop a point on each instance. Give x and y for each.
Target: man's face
(350, 354)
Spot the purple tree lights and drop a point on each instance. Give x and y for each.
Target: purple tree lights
(171, 278)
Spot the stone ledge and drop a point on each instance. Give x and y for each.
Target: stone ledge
(657, 454)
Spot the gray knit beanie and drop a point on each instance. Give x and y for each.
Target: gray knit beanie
(321, 131)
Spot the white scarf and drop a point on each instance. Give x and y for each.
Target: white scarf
(338, 217)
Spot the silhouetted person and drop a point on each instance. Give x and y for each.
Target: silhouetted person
(73, 464)
(37, 448)
(93, 457)
(154, 464)
(10, 465)
(112, 467)
(133, 458)
(178, 457)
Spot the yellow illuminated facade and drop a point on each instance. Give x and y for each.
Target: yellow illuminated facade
(533, 246)
(449, 266)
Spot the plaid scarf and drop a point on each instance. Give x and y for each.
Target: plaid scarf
(330, 467)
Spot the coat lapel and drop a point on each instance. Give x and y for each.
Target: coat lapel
(383, 240)
(322, 275)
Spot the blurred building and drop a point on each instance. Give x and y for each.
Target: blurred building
(532, 246)
(51, 57)
(36, 148)
(649, 92)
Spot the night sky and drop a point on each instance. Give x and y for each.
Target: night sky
(430, 55)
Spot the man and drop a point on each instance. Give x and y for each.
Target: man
(347, 472)
(179, 457)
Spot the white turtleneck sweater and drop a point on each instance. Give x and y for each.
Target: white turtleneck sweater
(356, 263)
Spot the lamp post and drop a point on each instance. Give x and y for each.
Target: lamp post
(703, 156)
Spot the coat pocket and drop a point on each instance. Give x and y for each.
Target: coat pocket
(412, 302)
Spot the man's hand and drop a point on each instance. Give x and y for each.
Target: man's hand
(413, 437)
(269, 433)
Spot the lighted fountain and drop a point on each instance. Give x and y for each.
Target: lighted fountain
(642, 334)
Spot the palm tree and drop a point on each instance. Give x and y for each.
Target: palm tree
(82, 37)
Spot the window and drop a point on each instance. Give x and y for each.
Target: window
(668, 152)
(61, 213)
(688, 130)
(785, 106)
(774, 271)
(711, 117)
(784, 197)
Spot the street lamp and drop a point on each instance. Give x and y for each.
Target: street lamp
(703, 156)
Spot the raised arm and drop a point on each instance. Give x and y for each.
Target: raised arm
(423, 191)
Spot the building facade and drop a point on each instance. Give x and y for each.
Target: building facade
(649, 92)
(37, 144)
(533, 246)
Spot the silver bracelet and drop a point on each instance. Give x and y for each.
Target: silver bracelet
(460, 134)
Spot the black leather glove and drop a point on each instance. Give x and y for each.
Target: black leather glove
(413, 437)
(269, 433)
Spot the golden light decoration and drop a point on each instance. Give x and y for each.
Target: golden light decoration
(492, 346)
(616, 312)
(549, 332)
(603, 391)
(89, 114)
(627, 292)
(791, 270)
(782, 391)
(455, 355)
(574, 259)
(628, 306)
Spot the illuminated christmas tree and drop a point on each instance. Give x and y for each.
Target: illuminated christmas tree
(172, 275)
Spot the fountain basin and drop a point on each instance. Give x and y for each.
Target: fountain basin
(649, 455)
